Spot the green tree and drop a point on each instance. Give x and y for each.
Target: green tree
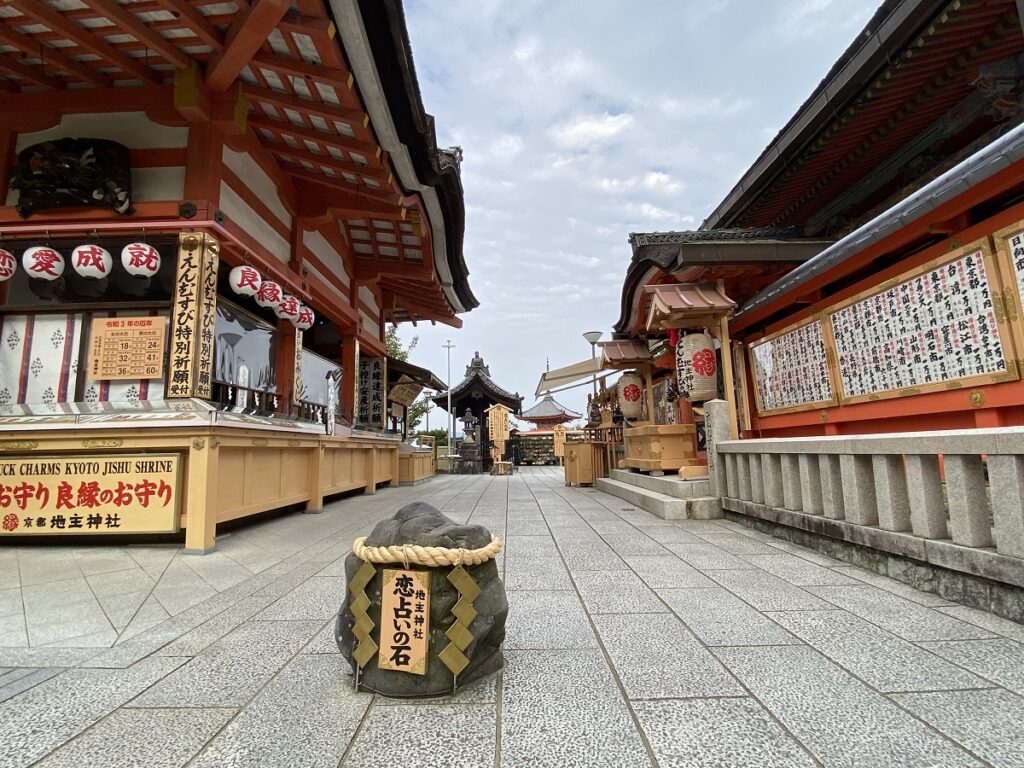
(395, 350)
(441, 435)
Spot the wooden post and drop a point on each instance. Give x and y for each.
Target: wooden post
(650, 393)
(727, 379)
(371, 470)
(201, 496)
(315, 505)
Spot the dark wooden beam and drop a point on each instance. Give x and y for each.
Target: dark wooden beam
(356, 119)
(130, 23)
(371, 152)
(330, 161)
(244, 39)
(194, 20)
(88, 42)
(34, 75)
(32, 47)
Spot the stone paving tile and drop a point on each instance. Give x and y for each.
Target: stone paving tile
(989, 723)
(657, 658)
(48, 715)
(305, 717)
(803, 552)
(11, 601)
(154, 738)
(999, 660)
(535, 572)
(562, 708)
(232, 669)
(705, 556)
(46, 657)
(986, 620)
(767, 592)
(909, 620)
(318, 598)
(898, 588)
(664, 571)
(796, 570)
(590, 556)
(23, 679)
(323, 641)
(420, 736)
(838, 718)
(880, 659)
(634, 543)
(737, 544)
(616, 592)
(717, 733)
(547, 620)
(718, 617)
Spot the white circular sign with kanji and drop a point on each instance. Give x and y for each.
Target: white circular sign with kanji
(305, 319)
(140, 260)
(269, 294)
(245, 281)
(43, 263)
(92, 261)
(287, 308)
(7, 265)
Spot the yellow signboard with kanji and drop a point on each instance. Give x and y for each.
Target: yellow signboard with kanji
(559, 438)
(497, 422)
(94, 494)
(404, 621)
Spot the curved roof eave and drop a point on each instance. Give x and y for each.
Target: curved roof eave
(406, 131)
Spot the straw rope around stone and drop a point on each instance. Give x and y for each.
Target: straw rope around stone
(414, 554)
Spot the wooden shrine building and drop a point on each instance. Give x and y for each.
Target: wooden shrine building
(211, 209)
(873, 248)
(476, 393)
(548, 413)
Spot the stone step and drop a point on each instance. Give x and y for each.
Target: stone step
(662, 505)
(670, 485)
(659, 504)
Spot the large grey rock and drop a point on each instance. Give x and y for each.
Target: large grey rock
(422, 524)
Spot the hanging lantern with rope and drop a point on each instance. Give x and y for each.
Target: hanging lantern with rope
(631, 396)
(696, 367)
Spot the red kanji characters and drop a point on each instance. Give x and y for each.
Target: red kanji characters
(140, 259)
(89, 495)
(10, 522)
(65, 500)
(43, 262)
(144, 491)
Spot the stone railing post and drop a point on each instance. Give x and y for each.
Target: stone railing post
(810, 483)
(891, 493)
(859, 489)
(968, 501)
(771, 470)
(792, 495)
(756, 478)
(832, 501)
(924, 491)
(716, 429)
(1006, 480)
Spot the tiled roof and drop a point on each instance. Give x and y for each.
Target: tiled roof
(625, 351)
(549, 408)
(642, 239)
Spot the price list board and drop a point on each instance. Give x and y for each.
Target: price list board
(935, 326)
(790, 370)
(127, 348)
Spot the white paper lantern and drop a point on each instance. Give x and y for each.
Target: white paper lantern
(631, 395)
(245, 281)
(269, 294)
(696, 367)
(92, 261)
(305, 319)
(8, 264)
(287, 308)
(43, 263)
(140, 260)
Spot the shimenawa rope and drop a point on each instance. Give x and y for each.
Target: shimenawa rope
(414, 554)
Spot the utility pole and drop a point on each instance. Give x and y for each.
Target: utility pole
(451, 432)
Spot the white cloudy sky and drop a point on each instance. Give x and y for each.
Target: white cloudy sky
(585, 120)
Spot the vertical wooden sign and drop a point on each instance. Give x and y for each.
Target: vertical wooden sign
(405, 621)
(193, 317)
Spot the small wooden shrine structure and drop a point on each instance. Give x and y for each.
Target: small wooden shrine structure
(548, 413)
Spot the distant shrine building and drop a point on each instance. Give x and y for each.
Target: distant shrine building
(470, 400)
(210, 215)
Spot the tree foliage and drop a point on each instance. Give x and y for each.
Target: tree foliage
(393, 344)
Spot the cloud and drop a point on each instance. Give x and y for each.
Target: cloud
(587, 130)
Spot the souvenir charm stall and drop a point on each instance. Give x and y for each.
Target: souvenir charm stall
(198, 255)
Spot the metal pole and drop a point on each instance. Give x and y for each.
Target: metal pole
(449, 346)
(593, 354)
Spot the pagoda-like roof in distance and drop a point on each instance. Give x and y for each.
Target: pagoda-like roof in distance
(549, 410)
(479, 385)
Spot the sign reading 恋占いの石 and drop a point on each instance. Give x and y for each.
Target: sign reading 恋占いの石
(112, 493)
(404, 621)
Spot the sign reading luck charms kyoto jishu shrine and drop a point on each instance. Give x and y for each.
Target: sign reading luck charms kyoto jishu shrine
(199, 253)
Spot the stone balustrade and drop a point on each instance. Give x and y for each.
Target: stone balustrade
(953, 499)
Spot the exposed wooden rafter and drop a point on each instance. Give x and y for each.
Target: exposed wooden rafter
(130, 23)
(246, 36)
(371, 152)
(194, 20)
(41, 12)
(52, 57)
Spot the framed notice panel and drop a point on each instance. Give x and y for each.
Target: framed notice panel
(790, 370)
(127, 348)
(93, 494)
(937, 327)
(1009, 245)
